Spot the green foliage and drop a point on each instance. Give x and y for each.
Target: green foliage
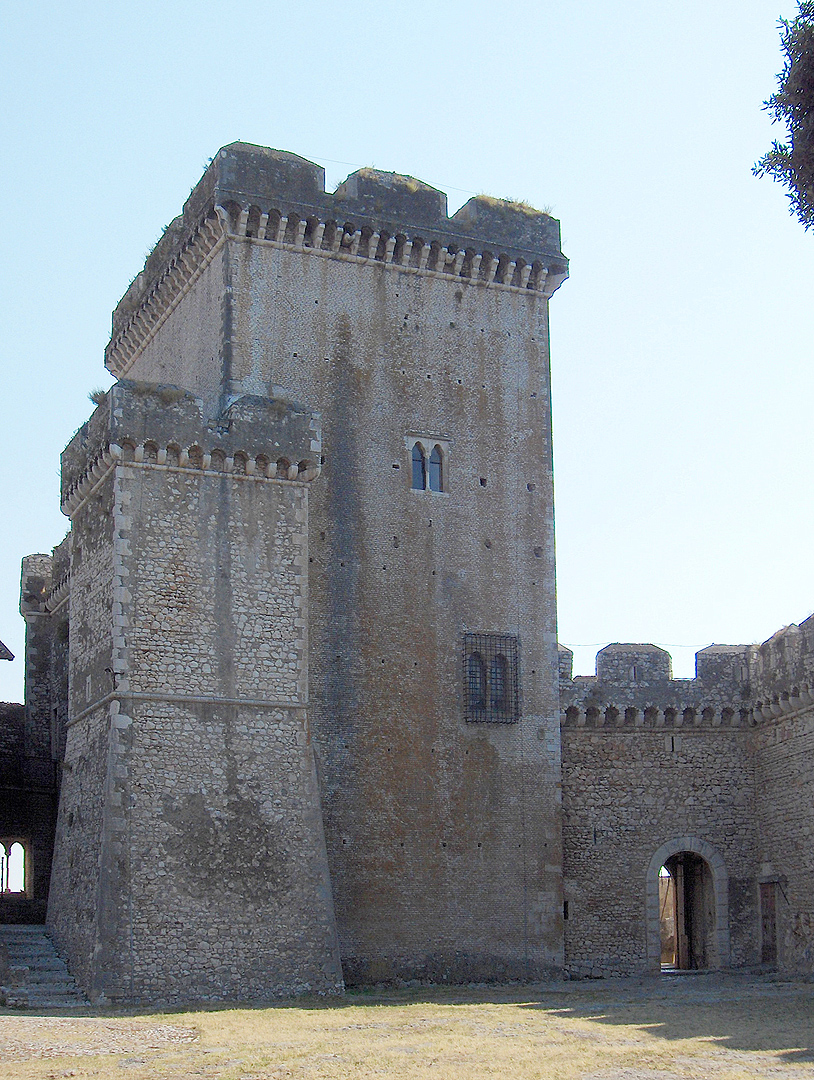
(792, 162)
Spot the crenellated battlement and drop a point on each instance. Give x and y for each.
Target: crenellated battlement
(634, 688)
(734, 684)
(35, 584)
(267, 197)
(162, 427)
(782, 671)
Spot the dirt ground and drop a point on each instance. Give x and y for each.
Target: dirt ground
(670, 1028)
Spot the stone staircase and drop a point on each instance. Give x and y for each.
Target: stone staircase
(32, 973)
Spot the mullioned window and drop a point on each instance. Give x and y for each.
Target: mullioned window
(491, 678)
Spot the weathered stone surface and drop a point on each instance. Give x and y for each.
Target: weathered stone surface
(190, 849)
(258, 654)
(443, 836)
(724, 758)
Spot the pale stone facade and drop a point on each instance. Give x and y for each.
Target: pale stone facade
(297, 657)
(719, 767)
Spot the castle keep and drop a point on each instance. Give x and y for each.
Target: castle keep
(296, 663)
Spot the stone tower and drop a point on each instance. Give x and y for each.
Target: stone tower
(190, 859)
(313, 713)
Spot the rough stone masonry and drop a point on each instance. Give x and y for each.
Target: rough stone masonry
(296, 659)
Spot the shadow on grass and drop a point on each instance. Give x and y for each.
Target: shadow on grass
(731, 1011)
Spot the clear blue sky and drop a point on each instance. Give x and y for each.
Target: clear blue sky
(681, 346)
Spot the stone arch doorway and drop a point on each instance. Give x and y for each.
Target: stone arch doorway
(699, 886)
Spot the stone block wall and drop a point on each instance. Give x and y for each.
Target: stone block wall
(190, 859)
(652, 767)
(782, 674)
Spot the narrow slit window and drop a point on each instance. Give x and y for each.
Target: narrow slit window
(419, 468)
(436, 469)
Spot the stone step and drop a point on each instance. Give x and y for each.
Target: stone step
(47, 978)
(38, 963)
(15, 957)
(34, 946)
(38, 976)
(46, 1001)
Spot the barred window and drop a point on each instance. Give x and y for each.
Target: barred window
(491, 681)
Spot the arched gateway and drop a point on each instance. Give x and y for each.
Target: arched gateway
(701, 896)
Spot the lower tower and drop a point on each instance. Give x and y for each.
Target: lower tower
(190, 860)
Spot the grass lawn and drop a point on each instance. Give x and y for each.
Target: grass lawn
(721, 1027)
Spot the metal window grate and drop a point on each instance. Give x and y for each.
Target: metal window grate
(491, 678)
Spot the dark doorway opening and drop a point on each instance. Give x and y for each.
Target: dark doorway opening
(687, 913)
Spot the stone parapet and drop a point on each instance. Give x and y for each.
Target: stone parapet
(265, 196)
(35, 584)
(163, 427)
(633, 688)
(782, 672)
(734, 684)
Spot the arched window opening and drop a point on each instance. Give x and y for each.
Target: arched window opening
(12, 868)
(436, 469)
(476, 682)
(419, 468)
(499, 683)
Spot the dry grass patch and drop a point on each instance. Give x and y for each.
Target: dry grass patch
(674, 1029)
